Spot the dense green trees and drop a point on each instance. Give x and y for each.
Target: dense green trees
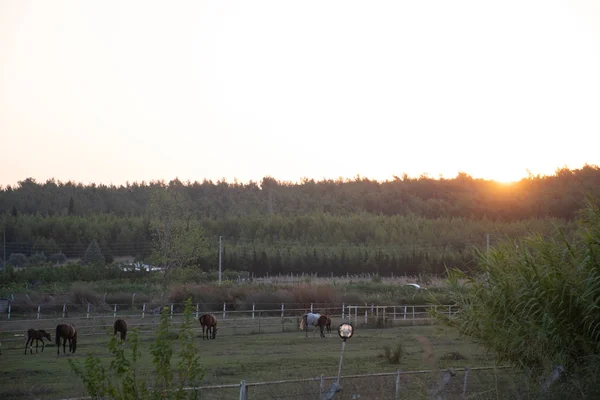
(400, 226)
(559, 196)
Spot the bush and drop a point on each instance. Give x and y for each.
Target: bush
(535, 302)
(82, 293)
(37, 259)
(58, 258)
(17, 259)
(393, 356)
(121, 380)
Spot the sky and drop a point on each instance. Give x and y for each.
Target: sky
(116, 91)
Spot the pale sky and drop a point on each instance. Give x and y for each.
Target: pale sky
(116, 91)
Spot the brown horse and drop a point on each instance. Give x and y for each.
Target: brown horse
(209, 322)
(66, 332)
(37, 335)
(120, 326)
(324, 322)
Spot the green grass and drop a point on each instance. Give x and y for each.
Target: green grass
(255, 357)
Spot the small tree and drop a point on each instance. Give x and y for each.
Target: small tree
(121, 380)
(37, 259)
(58, 258)
(177, 241)
(93, 254)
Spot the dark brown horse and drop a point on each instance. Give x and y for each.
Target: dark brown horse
(120, 326)
(66, 332)
(37, 335)
(324, 322)
(209, 322)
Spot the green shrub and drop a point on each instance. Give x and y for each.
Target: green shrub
(121, 379)
(58, 258)
(37, 259)
(535, 302)
(393, 356)
(17, 259)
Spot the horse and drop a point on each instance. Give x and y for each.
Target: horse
(66, 332)
(313, 320)
(324, 322)
(210, 322)
(37, 335)
(120, 326)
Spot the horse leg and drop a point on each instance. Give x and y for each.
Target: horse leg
(65, 345)
(26, 342)
(36, 345)
(43, 345)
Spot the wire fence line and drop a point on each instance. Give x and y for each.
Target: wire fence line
(468, 382)
(92, 321)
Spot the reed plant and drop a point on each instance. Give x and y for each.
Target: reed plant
(536, 302)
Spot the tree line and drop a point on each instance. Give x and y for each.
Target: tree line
(558, 196)
(321, 243)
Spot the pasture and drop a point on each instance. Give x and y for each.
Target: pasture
(243, 354)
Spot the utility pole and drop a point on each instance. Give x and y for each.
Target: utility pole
(220, 252)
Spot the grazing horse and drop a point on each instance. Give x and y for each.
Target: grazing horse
(210, 322)
(37, 335)
(66, 332)
(120, 326)
(312, 320)
(324, 322)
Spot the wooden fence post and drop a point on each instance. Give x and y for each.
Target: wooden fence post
(253, 310)
(322, 386)
(311, 307)
(115, 312)
(465, 382)
(259, 321)
(405, 312)
(398, 385)
(171, 310)
(224, 308)
(282, 319)
(87, 315)
(143, 310)
(366, 318)
(197, 309)
(9, 307)
(343, 304)
(243, 391)
(38, 313)
(133, 298)
(64, 313)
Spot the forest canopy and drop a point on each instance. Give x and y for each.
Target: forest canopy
(403, 226)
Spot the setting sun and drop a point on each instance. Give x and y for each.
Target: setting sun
(207, 96)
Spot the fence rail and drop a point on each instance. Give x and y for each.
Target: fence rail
(90, 322)
(443, 381)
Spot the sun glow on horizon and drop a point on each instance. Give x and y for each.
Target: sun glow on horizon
(116, 92)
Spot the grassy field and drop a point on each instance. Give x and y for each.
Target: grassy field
(276, 356)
